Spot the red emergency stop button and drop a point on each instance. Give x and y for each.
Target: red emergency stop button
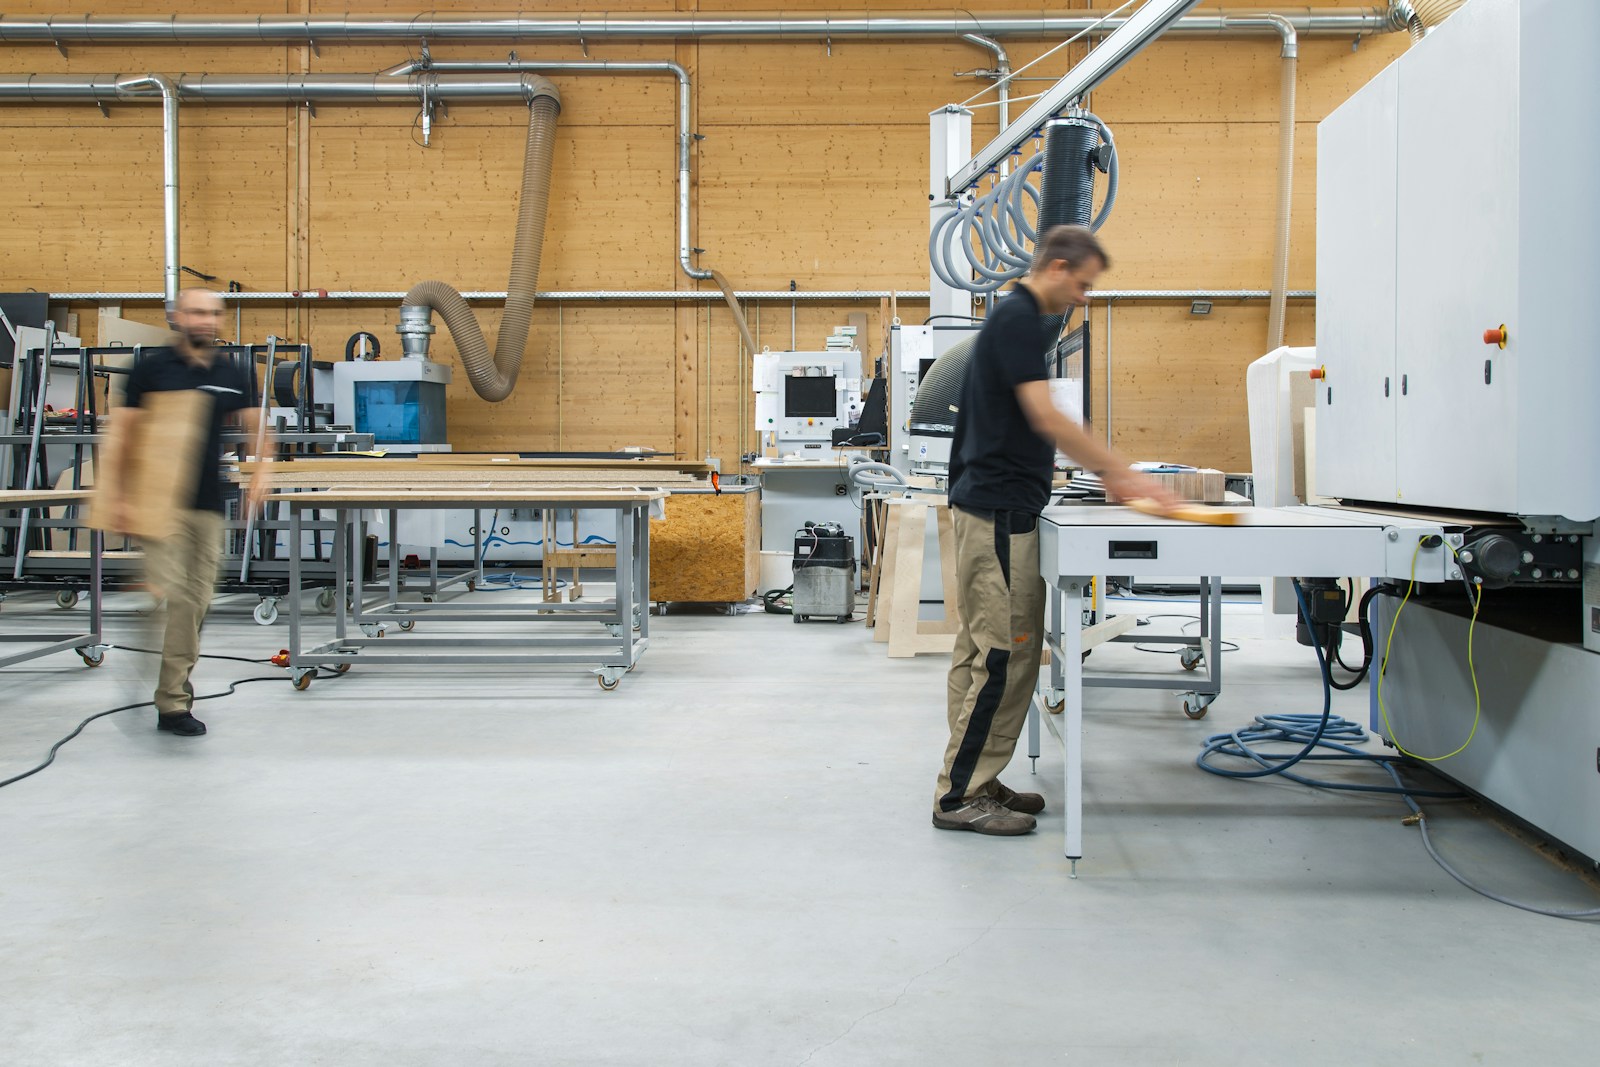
(1497, 336)
(1318, 373)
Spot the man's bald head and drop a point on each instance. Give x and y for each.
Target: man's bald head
(197, 316)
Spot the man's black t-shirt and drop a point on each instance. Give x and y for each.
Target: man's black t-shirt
(163, 370)
(997, 462)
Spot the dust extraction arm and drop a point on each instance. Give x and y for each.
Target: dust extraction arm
(493, 376)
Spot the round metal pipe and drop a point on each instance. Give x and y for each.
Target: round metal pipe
(169, 173)
(289, 29)
(654, 295)
(275, 88)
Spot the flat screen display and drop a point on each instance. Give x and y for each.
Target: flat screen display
(810, 398)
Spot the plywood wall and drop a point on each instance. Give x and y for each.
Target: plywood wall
(812, 169)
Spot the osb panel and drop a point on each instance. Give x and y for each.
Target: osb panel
(86, 207)
(706, 549)
(833, 207)
(386, 213)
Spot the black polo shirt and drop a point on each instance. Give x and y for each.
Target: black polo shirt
(997, 462)
(164, 370)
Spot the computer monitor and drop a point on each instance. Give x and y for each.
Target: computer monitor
(810, 397)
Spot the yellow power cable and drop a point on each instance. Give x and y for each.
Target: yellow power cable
(1477, 697)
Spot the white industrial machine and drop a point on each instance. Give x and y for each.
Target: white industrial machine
(401, 402)
(1458, 257)
(803, 397)
(912, 352)
(1458, 254)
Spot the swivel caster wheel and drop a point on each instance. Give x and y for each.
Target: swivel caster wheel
(613, 629)
(342, 668)
(325, 599)
(302, 679)
(266, 612)
(1195, 706)
(427, 598)
(371, 629)
(93, 655)
(1056, 706)
(408, 625)
(609, 677)
(67, 599)
(1191, 658)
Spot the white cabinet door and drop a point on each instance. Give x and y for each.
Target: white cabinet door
(1457, 262)
(1357, 165)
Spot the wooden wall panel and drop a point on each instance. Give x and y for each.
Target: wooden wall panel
(1197, 206)
(1178, 379)
(831, 207)
(813, 169)
(387, 213)
(86, 206)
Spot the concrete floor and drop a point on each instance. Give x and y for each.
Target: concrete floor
(728, 861)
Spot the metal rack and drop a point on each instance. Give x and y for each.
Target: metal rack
(253, 561)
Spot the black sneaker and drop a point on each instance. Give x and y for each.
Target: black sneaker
(183, 724)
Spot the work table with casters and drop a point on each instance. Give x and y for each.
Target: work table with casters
(566, 630)
(1077, 543)
(90, 645)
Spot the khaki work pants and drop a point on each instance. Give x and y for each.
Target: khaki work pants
(182, 569)
(995, 666)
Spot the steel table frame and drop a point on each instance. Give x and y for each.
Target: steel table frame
(1076, 543)
(617, 651)
(91, 645)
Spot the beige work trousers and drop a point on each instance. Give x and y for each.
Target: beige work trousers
(182, 569)
(995, 666)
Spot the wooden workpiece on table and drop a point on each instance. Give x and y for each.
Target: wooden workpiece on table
(400, 498)
(33, 498)
(318, 474)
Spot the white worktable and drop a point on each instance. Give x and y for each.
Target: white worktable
(1078, 542)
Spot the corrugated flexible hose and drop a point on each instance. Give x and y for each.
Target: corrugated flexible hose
(494, 376)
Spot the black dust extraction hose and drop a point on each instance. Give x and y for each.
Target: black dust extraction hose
(1066, 187)
(494, 376)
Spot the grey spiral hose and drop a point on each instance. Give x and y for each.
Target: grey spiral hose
(992, 232)
(493, 376)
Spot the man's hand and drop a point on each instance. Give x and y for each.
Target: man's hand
(119, 516)
(259, 489)
(1125, 483)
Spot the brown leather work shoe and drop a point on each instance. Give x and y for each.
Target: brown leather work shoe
(1027, 803)
(985, 815)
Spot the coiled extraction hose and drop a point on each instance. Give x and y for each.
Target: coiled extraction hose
(493, 376)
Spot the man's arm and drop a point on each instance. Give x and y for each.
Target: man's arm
(1049, 422)
(262, 447)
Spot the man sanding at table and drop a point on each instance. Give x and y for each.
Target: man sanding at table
(1002, 463)
(163, 483)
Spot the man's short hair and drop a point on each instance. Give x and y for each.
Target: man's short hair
(1075, 244)
(189, 290)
